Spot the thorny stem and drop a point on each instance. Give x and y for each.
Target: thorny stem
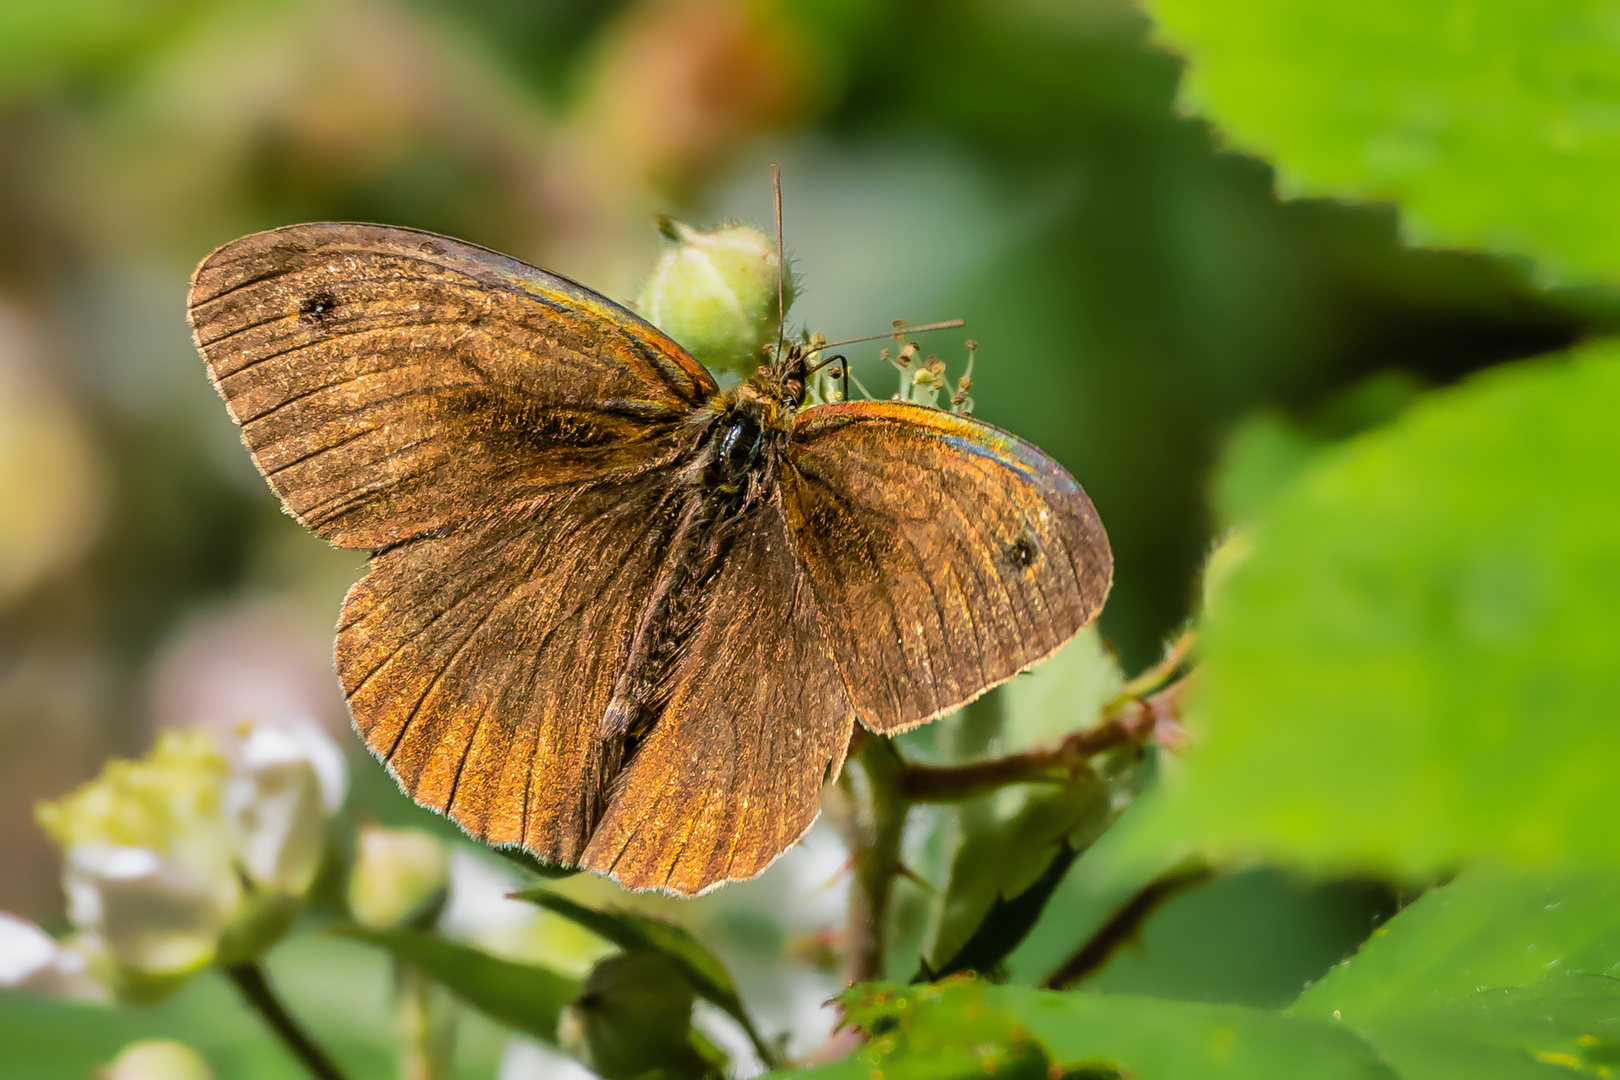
(873, 829)
(872, 801)
(255, 988)
(1139, 719)
(1156, 676)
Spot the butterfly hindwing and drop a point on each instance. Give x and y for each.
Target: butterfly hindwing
(390, 383)
(949, 555)
(478, 664)
(755, 721)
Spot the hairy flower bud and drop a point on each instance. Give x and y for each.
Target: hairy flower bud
(632, 1016)
(715, 294)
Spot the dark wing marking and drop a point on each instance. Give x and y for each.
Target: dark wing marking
(757, 718)
(390, 383)
(946, 555)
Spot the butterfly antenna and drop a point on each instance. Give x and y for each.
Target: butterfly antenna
(900, 330)
(781, 262)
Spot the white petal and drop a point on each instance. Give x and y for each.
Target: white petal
(276, 809)
(26, 951)
(155, 914)
(299, 739)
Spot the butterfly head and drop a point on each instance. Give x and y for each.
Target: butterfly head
(783, 381)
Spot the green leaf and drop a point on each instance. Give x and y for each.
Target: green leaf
(1488, 928)
(1013, 847)
(964, 1023)
(1492, 975)
(1006, 868)
(1061, 694)
(1415, 663)
(526, 997)
(1490, 122)
(531, 863)
(635, 932)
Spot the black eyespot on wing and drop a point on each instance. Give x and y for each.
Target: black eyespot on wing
(317, 308)
(1021, 553)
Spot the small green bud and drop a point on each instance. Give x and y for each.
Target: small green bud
(632, 1017)
(399, 876)
(157, 1059)
(715, 294)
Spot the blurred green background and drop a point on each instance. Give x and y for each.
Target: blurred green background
(1144, 304)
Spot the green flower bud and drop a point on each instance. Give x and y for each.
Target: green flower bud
(715, 294)
(632, 1017)
(157, 1059)
(399, 877)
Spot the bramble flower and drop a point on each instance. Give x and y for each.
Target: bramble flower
(186, 856)
(148, 857)
(30, 959)
(287, 781)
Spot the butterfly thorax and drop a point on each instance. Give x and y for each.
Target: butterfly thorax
(746, 432)
(739, 439)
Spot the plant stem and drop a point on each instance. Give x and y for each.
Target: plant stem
(1155, 677)
(1123, 925)
(874, 839)
(425, 1024)
(255, 988)
(1133, 723)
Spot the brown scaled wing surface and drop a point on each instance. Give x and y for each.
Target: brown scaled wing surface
(946, 555)
(507, 441)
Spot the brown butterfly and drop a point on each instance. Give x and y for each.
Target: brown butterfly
(614, 613)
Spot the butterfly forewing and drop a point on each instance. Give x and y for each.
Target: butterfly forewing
(946, 555)
(390, 382)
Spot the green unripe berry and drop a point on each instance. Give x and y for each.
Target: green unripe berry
(715, 294)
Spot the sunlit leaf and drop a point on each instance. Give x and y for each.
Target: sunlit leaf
(1416, 662)
(1006, 868)
(1012, 848)
(966, 1025)
(1492, 975)
(1490, 122)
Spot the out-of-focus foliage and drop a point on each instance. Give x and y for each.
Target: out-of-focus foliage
(1417, 654)
(525, 997)
(1491, 124)
(1193, 348)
